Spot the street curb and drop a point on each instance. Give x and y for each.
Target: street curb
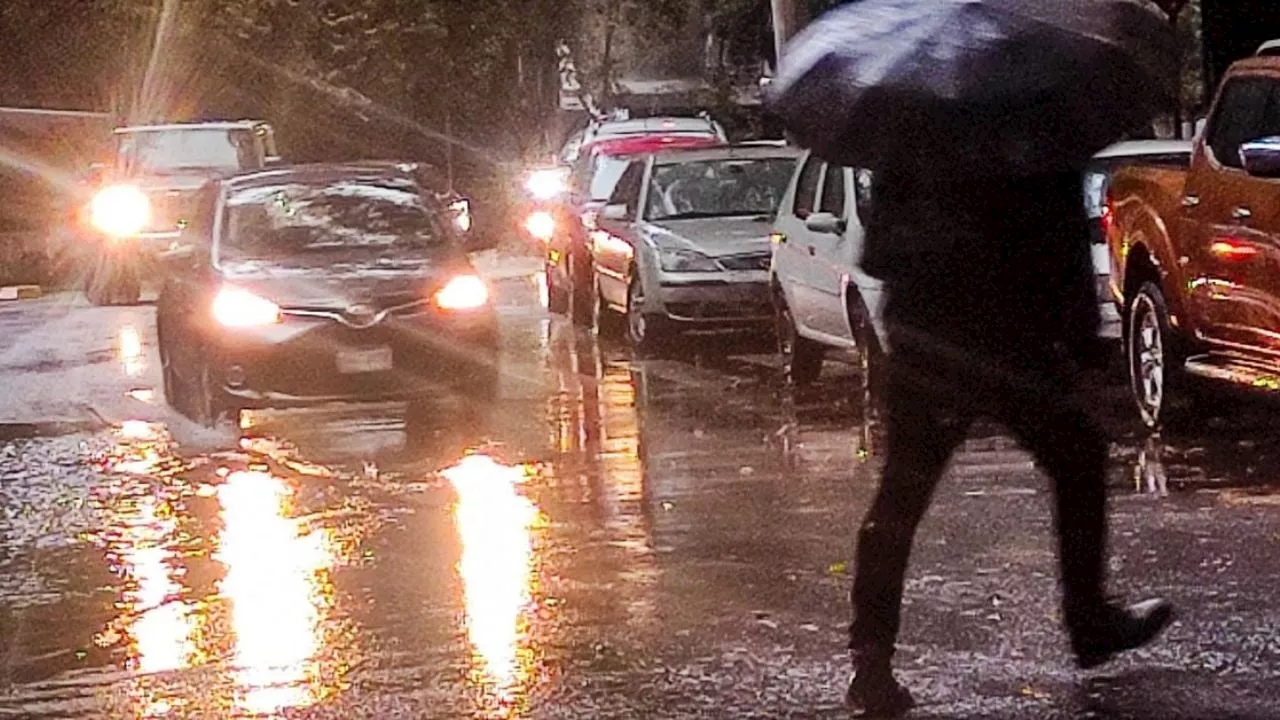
(11, 293)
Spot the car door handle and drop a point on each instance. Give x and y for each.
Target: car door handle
(1242, 213)
(1190, 201)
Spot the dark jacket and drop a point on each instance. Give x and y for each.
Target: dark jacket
(986, 259)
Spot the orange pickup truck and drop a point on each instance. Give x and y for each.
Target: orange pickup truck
(1196, 253)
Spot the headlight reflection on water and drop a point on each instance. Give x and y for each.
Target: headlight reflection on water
(495, 524)
(277, 592)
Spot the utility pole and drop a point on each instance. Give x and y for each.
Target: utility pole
(788, 18)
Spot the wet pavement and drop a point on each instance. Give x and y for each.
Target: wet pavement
(611, 539)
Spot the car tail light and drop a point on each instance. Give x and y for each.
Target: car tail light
(239, 308)
(465, 292)
(1108, 218)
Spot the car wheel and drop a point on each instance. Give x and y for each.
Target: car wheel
(557, 296)
(801, 358)
(607, 323)
(1155, 362)
(208, 408)
(647, 333)
(113, 283)
(872, 362)
(582, 300)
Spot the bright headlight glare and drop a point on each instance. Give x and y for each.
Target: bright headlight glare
(120, 210)
(547, 184)
(239, 308)
(686, 261)
(465, 292)
(541, 225)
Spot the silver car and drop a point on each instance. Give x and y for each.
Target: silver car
(683, 243)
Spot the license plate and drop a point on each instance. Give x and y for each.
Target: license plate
(351, 362)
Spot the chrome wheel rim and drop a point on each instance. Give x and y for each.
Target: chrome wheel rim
(635, 312)
(1148, 360)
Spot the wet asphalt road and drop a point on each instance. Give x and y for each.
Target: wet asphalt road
(612, 539)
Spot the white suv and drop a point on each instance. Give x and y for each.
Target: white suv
(822, 298)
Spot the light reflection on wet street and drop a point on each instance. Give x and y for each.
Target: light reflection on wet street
(612, 539)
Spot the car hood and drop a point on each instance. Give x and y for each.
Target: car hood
(186, 181)
(715, 237)
(338, 286)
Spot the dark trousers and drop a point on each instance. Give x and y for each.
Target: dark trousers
(955, 357)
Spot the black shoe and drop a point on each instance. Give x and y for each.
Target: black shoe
(1114, 630)
(875, 693)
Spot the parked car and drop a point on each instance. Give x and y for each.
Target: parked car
(565, 226)
(1097, 178)
(317, 284)
(683, 243)
(1196, 253)
(139, 202)
(611, 129)
(822, 299)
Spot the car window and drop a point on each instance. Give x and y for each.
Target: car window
(726, 187)
(807, 188)
(1245, 115)
(604, 178)
(301, 223)
(627, 191)
(833, 192)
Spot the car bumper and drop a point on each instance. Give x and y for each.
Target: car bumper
(310, 360)
(728, 299)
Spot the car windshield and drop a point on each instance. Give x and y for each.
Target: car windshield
(718, 188)
(350, 219)
(188, 149)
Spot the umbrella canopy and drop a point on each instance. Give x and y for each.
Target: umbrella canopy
(1025, 86)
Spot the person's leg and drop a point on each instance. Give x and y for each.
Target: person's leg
(920, 439)
(1072, 449)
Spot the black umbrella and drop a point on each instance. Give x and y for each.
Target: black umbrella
(1026, 86)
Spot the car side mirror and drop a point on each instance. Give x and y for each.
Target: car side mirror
(615, 212)
(1261, 157)
(825, 223)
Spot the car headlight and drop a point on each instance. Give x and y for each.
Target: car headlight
(547, 184)
(686, 261)
(465, 292)
(541, 225)
(120, 210)
(239, 308)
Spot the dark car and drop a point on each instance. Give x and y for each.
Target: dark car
(318, 284)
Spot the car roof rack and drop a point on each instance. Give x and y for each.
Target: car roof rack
(1269, 48)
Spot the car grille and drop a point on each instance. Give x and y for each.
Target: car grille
(755, 261)
(171, 211)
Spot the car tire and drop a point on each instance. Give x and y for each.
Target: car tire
(648, 333)
(557, 296)
(1154, 354)
(607, 322)
(873, 364)
(801, 357)
(110, 283)
(582, 300)
(208, 409)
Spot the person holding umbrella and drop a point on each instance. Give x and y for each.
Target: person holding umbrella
(976, 118)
